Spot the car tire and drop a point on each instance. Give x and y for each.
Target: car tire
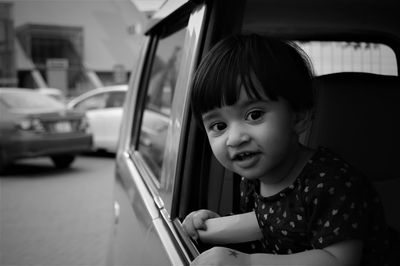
(3, 163)
(2, 166)
(62, 161)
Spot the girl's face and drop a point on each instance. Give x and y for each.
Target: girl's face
(253, 138)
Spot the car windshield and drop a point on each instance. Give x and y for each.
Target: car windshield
(31, 100)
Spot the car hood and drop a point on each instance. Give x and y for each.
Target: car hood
(48, 112)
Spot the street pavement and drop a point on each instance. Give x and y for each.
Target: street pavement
(53, 217)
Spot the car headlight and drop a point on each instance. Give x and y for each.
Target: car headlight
(25, 124)
(84, 125)
(31, 125)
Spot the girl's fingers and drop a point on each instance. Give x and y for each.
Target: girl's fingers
(189, 226)
(199, 222)
(196, 221)
(200, 217)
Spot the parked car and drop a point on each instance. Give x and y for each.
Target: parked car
(53, 92)
(355, 49)
(103, 108)
(36, 125)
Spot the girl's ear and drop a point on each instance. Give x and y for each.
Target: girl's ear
(303, 121)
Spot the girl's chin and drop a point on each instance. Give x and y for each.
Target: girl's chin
(249, 174)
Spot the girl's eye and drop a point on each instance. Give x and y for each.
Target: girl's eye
(218, 127)
(254, 115)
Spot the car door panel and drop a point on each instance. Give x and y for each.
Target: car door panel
(110, 135)
(140, 229)
(97, 126)
(134, 223)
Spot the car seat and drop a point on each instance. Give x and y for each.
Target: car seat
(357, 115)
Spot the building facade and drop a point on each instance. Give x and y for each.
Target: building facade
(70, 45)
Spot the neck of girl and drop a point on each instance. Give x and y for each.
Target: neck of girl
(288, 173)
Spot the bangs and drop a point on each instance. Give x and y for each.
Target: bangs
(264, 68)
(220, 79)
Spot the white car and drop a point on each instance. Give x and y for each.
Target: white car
(103, 108)
(54, 93)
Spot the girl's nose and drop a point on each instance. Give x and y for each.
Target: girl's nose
(236, 136)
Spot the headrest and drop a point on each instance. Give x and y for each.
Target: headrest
(358, 116)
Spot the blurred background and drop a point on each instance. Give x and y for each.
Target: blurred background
(72, 45)
(64, 48)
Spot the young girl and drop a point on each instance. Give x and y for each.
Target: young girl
(254, 97)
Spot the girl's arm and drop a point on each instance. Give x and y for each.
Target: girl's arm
(231, 229)
(342, 253)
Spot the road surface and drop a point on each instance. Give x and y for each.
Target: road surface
(56, 217)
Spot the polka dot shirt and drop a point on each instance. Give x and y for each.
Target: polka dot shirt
(329, 202)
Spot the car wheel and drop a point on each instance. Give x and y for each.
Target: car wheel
(3, 163)
(62, 161)
(2, 166)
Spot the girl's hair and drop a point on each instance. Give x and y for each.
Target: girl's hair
(282, 69)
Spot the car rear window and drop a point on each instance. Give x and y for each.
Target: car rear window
(336, 56)
(31, 100)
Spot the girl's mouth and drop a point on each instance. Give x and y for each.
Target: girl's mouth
(243, 156)
(246, 159)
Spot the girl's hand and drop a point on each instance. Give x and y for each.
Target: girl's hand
(222, 256)
(196, 221)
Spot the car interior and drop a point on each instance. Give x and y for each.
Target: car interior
(356, 114)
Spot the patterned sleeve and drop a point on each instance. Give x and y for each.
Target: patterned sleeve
(338, 208)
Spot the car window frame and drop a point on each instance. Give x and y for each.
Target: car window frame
(153, 40)
(101, 94)
(210, 164)
(164, 193)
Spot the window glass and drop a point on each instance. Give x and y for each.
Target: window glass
(95, 102)
(160, 91)
(330, 57)
(115, 99)
(31, 100)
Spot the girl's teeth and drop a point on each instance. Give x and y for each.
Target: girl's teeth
(243, 156)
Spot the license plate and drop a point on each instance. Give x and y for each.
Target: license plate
(62, 127)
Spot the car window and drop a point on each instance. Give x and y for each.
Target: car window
(336, 56)
(94, 102)
(29, 100)
(331, 50)
(160, 92)
(115, 99)
(326, 56)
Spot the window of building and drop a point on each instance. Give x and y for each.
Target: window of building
(7, 63)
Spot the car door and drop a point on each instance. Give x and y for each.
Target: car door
(147, 232)
(104, 112)
(94, 106)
